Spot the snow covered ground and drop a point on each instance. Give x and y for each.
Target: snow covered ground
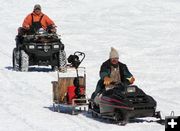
(146, 33)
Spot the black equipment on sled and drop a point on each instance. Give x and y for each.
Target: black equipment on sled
(123, 103)
(41, 48)
(75, 60)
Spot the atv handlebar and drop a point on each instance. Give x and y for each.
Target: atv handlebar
(40, 35)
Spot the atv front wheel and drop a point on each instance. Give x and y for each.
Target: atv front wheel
(24, 61)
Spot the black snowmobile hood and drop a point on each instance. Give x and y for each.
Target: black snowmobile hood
(118, 96)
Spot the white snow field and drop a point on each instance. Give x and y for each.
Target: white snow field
(145, 32)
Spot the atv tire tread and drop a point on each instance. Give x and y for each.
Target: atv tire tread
(62, 61)
(16, 55)
(24, 61)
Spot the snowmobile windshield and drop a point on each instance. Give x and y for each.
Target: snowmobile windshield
(131, 89)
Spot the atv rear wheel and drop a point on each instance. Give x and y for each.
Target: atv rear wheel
(24, 61)
(62, 61)
(54, 68)
(16, 61)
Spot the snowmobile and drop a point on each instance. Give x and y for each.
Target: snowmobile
(69, 91)
(123, 103)
(41, 48)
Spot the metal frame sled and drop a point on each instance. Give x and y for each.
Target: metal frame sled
(69, 91)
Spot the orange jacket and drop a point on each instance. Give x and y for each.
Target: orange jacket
(46, 21)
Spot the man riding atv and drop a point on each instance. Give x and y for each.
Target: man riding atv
(111, 72)
(38, 44)
(36, 20)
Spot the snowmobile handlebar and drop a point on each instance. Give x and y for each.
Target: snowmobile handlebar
(123, 86)
(117, 83)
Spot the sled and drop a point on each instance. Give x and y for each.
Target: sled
(64, 90)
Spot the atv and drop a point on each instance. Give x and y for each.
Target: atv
(41, 48)
(123, 103)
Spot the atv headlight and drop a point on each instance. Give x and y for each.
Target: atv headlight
(56, 46)
(131, 89)
(31, 46)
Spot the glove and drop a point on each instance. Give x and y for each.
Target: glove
(107, 80)
(131, 80)
(27, 27)
(51, 28)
